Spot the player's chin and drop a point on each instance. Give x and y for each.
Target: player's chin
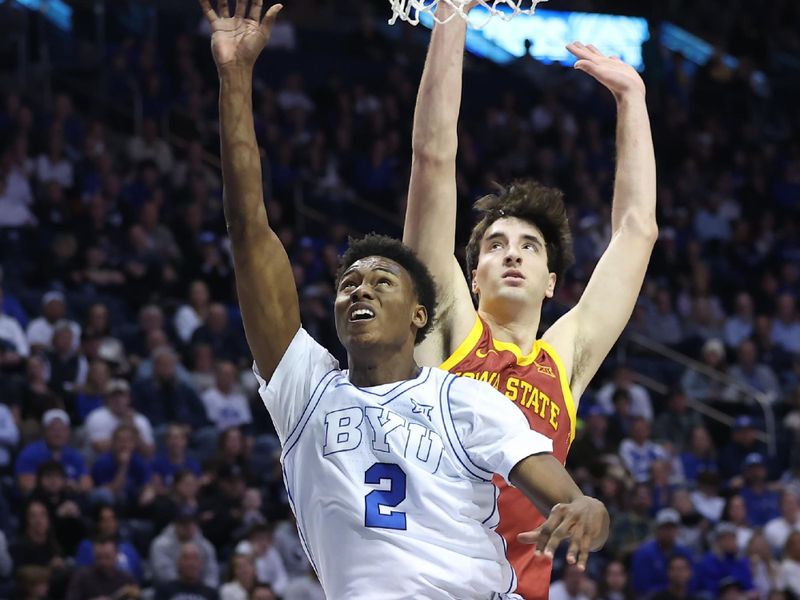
(361, 334)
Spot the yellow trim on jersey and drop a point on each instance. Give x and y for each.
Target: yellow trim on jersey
(522, 360)
(465, 347)
(568, 399)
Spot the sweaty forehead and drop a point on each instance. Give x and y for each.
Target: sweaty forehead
(512, 227)
(376, 263)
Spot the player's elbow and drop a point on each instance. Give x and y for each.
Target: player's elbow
(434, 152)
(643, 226)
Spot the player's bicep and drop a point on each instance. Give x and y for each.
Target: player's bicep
(267, 296)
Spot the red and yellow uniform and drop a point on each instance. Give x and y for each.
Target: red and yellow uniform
(538, 385)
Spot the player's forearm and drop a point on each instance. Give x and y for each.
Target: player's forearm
(634, 203)
(439, 97)
(241, 162)
(544, 481)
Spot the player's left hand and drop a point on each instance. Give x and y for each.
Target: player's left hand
(584, 521)
(620, 78)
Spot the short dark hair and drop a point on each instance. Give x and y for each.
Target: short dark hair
(381, 245)
(535, 203)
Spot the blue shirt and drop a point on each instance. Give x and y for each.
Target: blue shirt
(714, 568)
(694, 465)
(649, 566)
(166, 469)
(139, 474)
(761, 507)
(38, 453)
(128, 558)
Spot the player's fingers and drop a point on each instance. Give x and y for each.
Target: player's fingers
(594, 50)
(209, 12)
(255, 10)
(528, 537)
(586, 66)
(580, 50)
(584, 548)
(272, 14)
(573, 550)
(241, 6)
(223, 9)
(543, 533)
(559, 534)
(546, 530)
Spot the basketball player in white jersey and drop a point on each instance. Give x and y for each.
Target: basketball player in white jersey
(388, 466)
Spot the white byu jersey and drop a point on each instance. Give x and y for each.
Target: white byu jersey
(391, 484)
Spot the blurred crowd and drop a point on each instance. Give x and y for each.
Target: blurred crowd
(135, 455)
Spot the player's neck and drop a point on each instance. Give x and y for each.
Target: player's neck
(376, 369)
(515, 327)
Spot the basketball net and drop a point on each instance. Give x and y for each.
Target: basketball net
(410, 10)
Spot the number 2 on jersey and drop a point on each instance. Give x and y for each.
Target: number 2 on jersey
(391, 497)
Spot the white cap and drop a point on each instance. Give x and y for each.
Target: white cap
(53, 414)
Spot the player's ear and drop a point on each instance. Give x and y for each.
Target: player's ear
(551, 285)
(420, 317)
(474, 282)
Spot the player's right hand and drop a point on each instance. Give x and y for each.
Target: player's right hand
(238, 39)
(584, 521)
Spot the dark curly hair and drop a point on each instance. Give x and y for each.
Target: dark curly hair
(374, 244)
(535, 203)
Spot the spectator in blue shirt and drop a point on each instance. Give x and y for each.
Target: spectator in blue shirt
(54, 446)
(107, 525)
(122, 473)
(166, 464)
(762, 503)
(649, 563)
(724, 562)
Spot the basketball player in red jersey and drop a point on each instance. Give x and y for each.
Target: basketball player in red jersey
(516, 253)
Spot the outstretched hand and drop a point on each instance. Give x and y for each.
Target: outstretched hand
(620, 78)
(584, 521)
(238, 39)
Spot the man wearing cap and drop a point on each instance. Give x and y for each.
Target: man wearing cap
(723, 563)
(743, 442)
(101, 422)
(68, 368)
(54, 446)
(166, 549)
(700, 386)
(40, 330)
(649, 563)
(762, 503)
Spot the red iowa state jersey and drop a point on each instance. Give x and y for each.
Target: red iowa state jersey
(538, 385)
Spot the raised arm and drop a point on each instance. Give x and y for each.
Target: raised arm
(430, 225)
(587, 333)
(571, 514)
(264, 279)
